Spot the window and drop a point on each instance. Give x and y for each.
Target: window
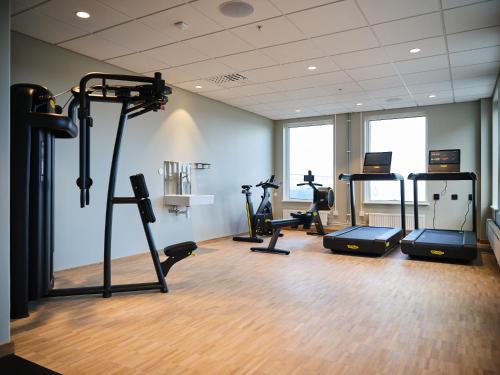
(308, 147)
(406, 138)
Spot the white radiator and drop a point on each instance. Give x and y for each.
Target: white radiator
(494, 237)
(394, 220)
(323, 215)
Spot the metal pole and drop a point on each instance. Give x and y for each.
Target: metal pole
(474, 218)
(403, 215)
(351, 193)
(415, 202)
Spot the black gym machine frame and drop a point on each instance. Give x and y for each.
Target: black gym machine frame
(34, 127)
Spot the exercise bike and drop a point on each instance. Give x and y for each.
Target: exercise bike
(323, 199)
(258, 222)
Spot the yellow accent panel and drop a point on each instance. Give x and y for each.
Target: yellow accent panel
(353, 247)
(52, 103)
(437, 252)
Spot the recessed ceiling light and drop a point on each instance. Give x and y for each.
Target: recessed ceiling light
(198, 87)
(359, 104)
(235, 8)
(298, 110)
(82, 14)
(432, 96)
(312, 67)
(415, 50)
(181, 25)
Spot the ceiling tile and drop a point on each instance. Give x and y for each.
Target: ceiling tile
(439, 95)
(208, 68)
(457, 3)
(370, 72)
(17, 6)
(288, 6)
(247, 60)
(138, 62)
(473, 71)
(427, 77)
(414, 28)
(191, 86)
(474, 82)
(271, 73)
(435, 101)
(388, 93)
(95, 47)
(311, 81)
(272, 32)
(381, 83)
(345, 88)
(268, 98)
(429, 47)
(426, 88)
(135, 36)
(262, 9)
(466, 99)
(388, 10)
(401, 104)
(328, 19)
(136, 9)
(176, 75)
(306, 93)
(101, 16)
(198, 23)
(176, 54)
(42, 27)
(476, 16)
(330, 109)
(347, 41)
(478, 91)
(487, 37)
(476, 56)
(294, 51)
(243, 101)
(423, 64)
(248, 90)
(219, 44)
(363, 58)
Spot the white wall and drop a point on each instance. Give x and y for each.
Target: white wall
(449, 126)
(5, 168)
(193, 128)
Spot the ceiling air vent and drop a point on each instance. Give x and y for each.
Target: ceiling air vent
(227, 78)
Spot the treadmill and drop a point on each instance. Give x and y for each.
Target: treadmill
(460, 245)
(369, 239)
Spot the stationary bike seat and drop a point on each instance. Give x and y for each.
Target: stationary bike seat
(246, 187)
(180, 248)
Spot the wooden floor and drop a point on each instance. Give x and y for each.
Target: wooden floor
(231, 311)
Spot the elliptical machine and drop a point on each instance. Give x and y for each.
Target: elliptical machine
(258, 222)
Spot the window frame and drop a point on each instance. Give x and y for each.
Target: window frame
(365, 188)
(286, 154)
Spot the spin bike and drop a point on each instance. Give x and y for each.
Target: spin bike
(258, 222)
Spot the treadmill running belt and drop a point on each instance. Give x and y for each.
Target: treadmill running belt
(441, 237)
(365, 233)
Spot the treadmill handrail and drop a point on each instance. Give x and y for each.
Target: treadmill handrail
(443, 176)
(371, 177)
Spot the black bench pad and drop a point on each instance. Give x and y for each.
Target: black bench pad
(180, 248)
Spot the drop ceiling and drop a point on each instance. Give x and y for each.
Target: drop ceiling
(360, 49)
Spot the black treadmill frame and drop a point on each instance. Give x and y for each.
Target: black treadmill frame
(380, 245)
(409, 243)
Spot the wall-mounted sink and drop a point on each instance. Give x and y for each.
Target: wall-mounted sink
(187, 200)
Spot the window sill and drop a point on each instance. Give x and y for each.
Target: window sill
(393, 203)
(296, 201)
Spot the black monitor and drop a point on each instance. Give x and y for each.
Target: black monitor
(444, 161)
(377, 162)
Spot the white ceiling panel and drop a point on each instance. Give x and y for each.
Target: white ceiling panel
(473, 71)
(327, 19)
(17, 6)
(176, 54)
(194, 86)
(135, 36)
(177, 75)
(45, 28)
(371, 72)
(243, 101)
(388, 10)
(198, 23)
(427, 88)
(478, 91)
(345, 88)
(388, 93)
(329, 109)
(476, 56)
(219, 44)
(439, 95)
(374, 56)
(138, 62)
(294, 51)
(135, 8)
(427, 77)
(306, 93)
(471, 17)
(208, 68)
(262, 9)
(95, 47)
(249, 90)
(268, 98)
(347, 41)
(288, 6)
(474, 82)
(381, 83)
(428, 47)
(414, 28)
(247, 60)
(434, 101)
(401, 104)
(271, 32)
(423, 64)
(268, 74)
(481, 38)
(458, 3)
(101, 16)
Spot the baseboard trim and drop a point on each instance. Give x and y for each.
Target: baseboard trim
(7, 349)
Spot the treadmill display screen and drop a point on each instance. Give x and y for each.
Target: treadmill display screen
(378, 158)
(444, 157)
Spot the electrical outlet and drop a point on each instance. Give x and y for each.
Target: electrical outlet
(454, 197)
(470, 197)
(435, 197)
